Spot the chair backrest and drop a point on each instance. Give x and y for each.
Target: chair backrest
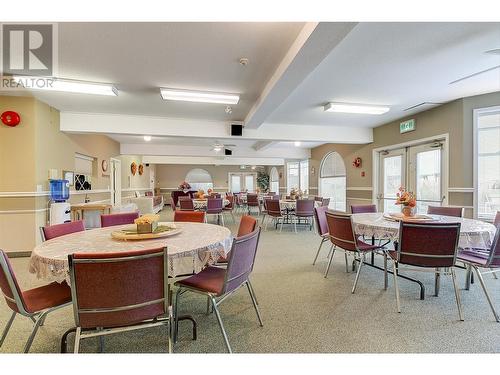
(320, 216)
(428, 244)
(118, 219)
(58, 230)
(189, 216)
(241, 260)
(247, 225)
(304, 207)
(325, 202)
(230, 205)
(214, 205)
(341, 231)
(186, 203)
(496, 222)
(9, 286)
(494, 257)
(363, 208)
(252, 199)
(118, 289)
(273, 207)
(445, 211)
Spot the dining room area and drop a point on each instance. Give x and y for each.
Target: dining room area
(198, 189)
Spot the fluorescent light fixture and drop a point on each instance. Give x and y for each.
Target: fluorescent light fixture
(297, 143)
(356, 108)
(63, 85)
(199, 96)
(147, 138)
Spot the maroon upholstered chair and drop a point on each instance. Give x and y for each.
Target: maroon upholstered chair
(274, 211)
(481, 260)
(496, 222)
(304, 210)
(325, 202)
(263, 209)
(253, 201)
(218, 283)
(321, 227)
(318, 199)
(247, 226)
(341, 232)
(189, 216)
(427, 246)
(58, 230)
(230, 207)
(34, 303)
(118, 219)
(215, 206)
(445, 211)
(363, 208)
(186, 204)
(117, 292)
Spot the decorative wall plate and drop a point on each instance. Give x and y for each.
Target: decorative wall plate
(133, 168)
(104, 165)
(141, 169)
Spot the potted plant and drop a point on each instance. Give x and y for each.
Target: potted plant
(407, 200)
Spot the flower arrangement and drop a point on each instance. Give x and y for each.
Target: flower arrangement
(296, 193)
(200, 194)
(184, 186)
(147, 223)
(210, 191)
(406, 199)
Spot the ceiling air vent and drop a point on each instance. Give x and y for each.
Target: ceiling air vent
(423, 104)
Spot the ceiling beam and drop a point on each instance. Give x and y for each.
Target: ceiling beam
(314, 43)
(262, 145)
(98, 123)
(203, 160)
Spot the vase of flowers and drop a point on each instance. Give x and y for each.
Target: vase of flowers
(407, 200)
(184, 186)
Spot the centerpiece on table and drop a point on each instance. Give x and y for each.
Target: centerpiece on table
(184, 186)
(147, 223)
(407, 200)
(296, 194)
(200, 194)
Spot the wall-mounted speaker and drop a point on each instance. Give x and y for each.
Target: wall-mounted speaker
(236, 130)
(147, 164)
(228, 152)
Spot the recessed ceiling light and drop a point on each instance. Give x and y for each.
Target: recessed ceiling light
(199, 96)
(64, 85)
(356, 108)
(147, 138)
(297, 143)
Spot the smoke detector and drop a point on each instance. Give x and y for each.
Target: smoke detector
(229, 110)
(243, 61)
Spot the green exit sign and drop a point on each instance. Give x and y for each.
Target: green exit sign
(407, 126)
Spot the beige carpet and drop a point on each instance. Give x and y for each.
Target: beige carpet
(302, 311)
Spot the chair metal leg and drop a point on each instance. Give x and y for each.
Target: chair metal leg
(295, 224)
(483, 285)
(221, 326)
(457, 294)
(101, 344)
(77, 340)
(468, 274)
(222, 217)
(437, 282)
(7, 328)
(176, 314)
(319, 249)
(494, 274)
(346, 263)
(34, 331)
(361, 261)
(329, 252)
(386, 278)
(254, 295)
(281, 227)
(396, 287)
(254, 301)
(330, 262)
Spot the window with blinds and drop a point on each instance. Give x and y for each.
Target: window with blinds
(332, 181)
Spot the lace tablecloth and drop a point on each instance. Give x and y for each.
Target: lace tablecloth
(473, 233)
(189, 251)
(288, 205)
(201, 204)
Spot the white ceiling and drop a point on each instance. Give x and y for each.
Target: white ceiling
(398, 65)
(141, 57)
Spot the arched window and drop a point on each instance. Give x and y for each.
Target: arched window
(199, 179)
(274, 180)
(332, 180)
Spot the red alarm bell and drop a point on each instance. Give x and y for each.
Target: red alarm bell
(10, 118)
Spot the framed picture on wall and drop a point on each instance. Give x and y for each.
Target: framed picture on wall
(69, 176)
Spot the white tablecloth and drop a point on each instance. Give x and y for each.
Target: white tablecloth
(189, 251)
(201, 204)
(473, 233)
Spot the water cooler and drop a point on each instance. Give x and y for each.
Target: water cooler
(60, 209)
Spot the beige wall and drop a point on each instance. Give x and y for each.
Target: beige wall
(454, 118)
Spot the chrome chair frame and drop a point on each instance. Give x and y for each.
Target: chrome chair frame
(437, 271)
(103, 331)
(38, 317)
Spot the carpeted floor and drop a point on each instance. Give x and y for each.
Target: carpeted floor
(302, 311)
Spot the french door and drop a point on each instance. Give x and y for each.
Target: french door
(242, 182)
(417, 168)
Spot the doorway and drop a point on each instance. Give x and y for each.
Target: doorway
(421, 167)
(242, 182)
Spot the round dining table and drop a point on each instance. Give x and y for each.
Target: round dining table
(473, 233)
(195, 246)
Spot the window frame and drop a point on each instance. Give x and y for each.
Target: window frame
(298, 162)
(344, 176)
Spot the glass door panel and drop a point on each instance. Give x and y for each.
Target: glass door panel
(392, 177)
(249, 183)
